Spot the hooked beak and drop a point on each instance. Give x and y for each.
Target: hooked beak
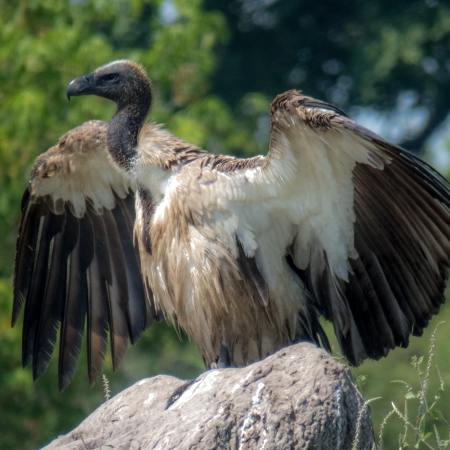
(81, 86)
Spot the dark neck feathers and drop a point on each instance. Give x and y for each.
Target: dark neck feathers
(124, 128)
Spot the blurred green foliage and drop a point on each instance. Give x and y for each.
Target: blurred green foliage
(215, 67)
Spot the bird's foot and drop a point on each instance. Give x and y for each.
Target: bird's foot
(224, 358)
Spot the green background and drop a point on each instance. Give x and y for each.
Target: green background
(215, 65)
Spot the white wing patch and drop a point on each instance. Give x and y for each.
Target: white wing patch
(320, 195)
(305, 196)
(82, 174)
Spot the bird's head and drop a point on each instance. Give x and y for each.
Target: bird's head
(121, 81)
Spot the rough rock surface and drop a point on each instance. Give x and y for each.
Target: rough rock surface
(299, 397)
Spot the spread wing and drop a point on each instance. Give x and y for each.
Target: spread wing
(364, 224)
(75, 257)
(371, 224)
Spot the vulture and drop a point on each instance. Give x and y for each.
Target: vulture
(124, 224)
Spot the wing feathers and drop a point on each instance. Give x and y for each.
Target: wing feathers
(55, 290)
(75, 303)
(391, 209)
(25, 251)
(406, 231)
(48, 229)
(75, 258)
(99, 275)
(136, 314)
(117, 291)
(395, 270)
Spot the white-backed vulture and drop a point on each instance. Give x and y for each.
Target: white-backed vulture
(244, 254)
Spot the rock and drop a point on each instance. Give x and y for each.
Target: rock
(299, 397)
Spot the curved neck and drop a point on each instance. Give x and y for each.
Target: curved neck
(124, 128)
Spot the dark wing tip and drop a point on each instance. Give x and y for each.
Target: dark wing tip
(69, 268)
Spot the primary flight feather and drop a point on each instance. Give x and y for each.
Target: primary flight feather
(124, 223)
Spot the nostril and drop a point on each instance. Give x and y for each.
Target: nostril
(89, 79)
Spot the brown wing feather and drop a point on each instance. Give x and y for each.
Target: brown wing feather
(396, 211)
(402, 238)
(71, 265)
(75, 304)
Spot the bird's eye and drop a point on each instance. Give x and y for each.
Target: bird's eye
(110, 77)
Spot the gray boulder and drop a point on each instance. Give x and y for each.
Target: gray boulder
(298, 398)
